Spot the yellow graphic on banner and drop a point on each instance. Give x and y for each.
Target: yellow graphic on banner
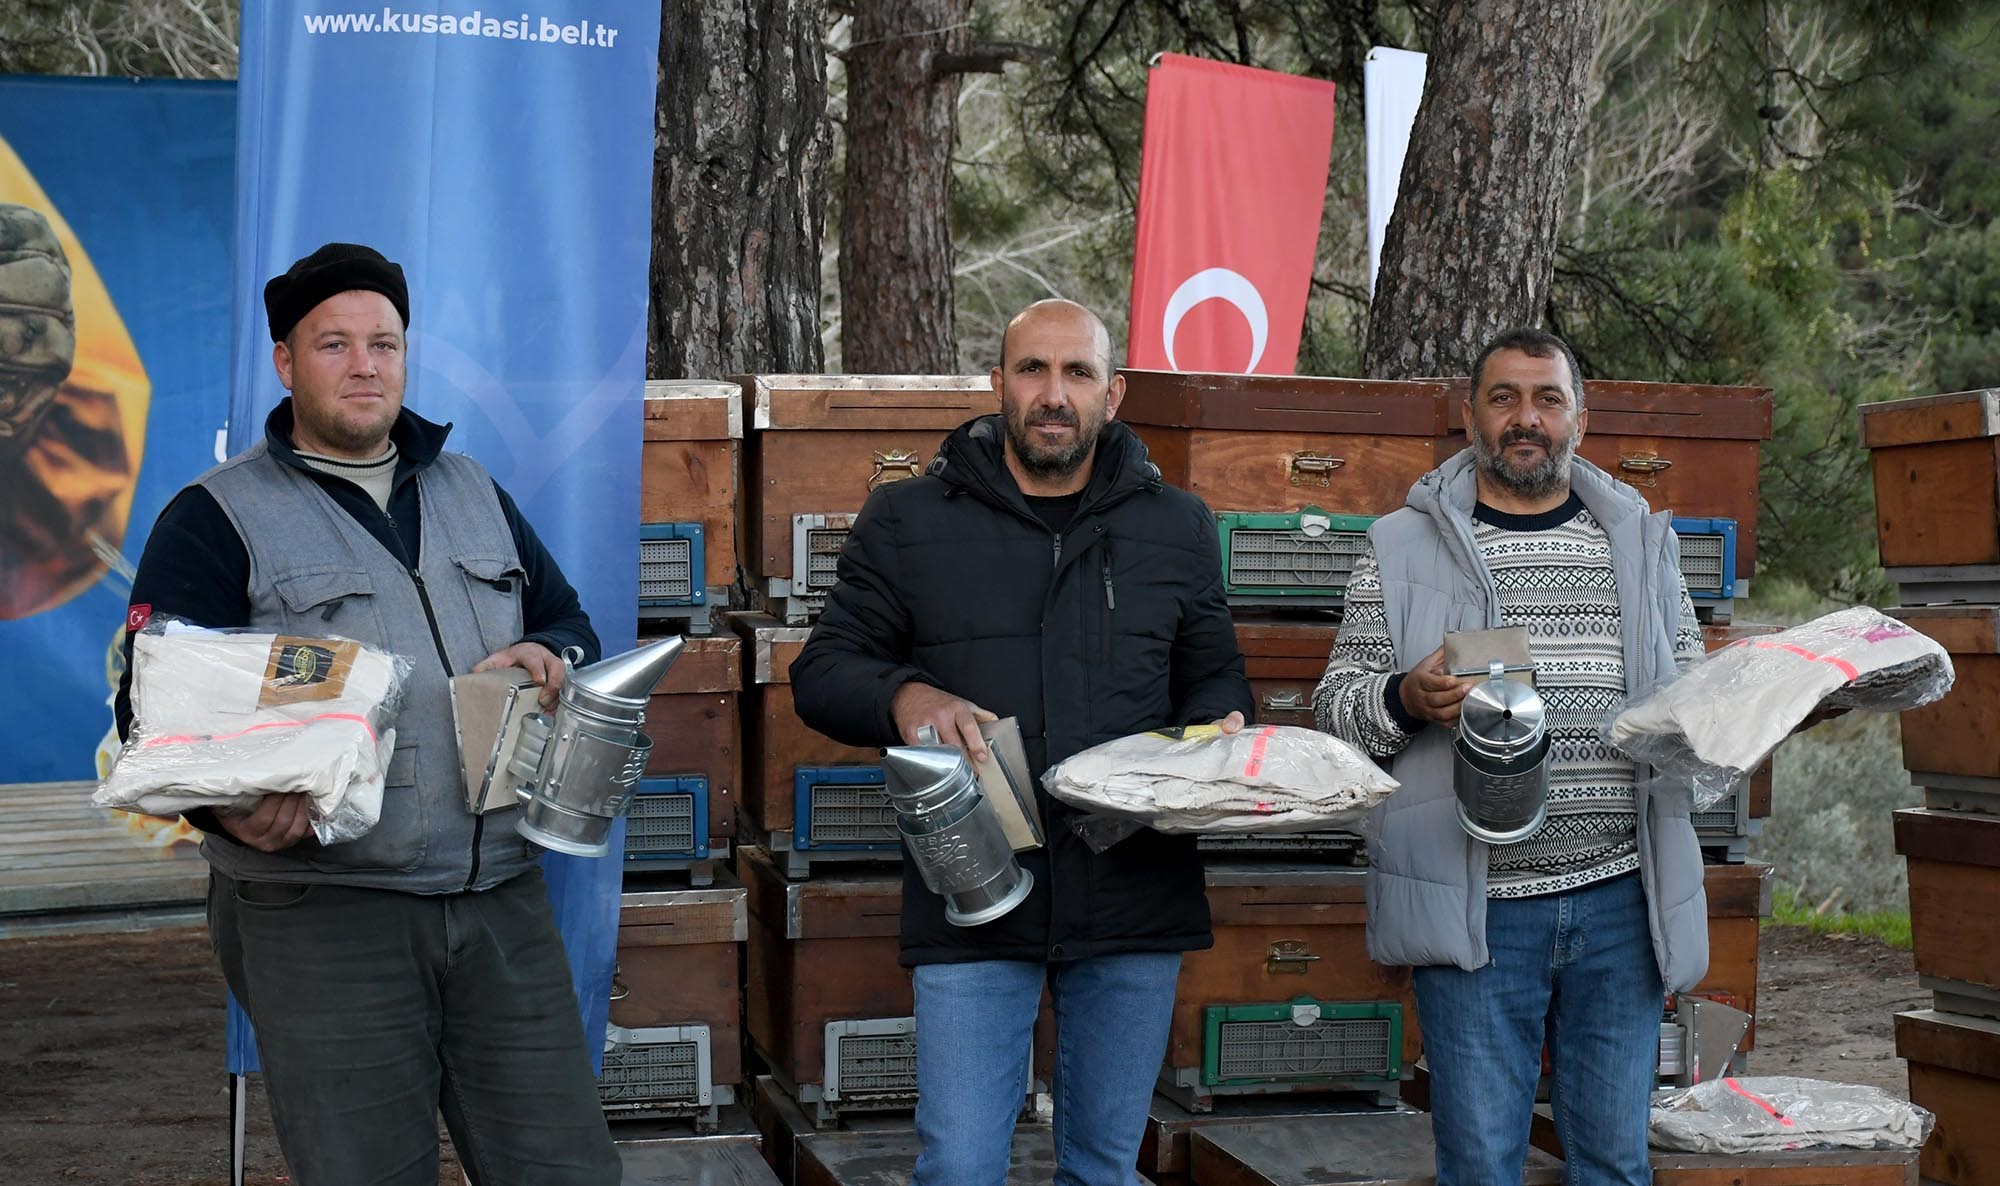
(67, 474)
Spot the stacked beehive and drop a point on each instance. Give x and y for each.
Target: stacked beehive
(1936, 463)
(829, 1011)
(674, 1048)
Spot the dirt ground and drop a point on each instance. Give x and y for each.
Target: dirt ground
(112, 1049)
(1826, 1007)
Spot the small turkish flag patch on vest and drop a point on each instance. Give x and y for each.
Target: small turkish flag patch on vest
(136, 618)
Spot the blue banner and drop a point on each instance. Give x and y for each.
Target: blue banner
(504, 159)
(132, 181)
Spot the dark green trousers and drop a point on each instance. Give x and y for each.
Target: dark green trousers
(375, 1011)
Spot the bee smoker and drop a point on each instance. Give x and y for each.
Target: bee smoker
(952, 834)
(1500, 768)
(576, 767)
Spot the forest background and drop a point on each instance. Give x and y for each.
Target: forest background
(1801, 195)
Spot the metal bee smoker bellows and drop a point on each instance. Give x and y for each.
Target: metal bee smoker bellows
(575, 769)
(952, 834)
(1500, 770)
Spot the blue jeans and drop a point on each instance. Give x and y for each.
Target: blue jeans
(1578, 971)
(975, 1039)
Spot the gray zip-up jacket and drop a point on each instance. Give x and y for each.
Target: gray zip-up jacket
(1427, 881)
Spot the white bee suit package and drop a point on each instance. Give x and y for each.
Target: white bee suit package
(1772, 1113)
(1724, 715)
(1266, 778)
(221, 718)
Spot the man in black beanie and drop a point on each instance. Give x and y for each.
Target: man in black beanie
(416, 969)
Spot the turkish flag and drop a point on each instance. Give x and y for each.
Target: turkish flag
(1232, 180)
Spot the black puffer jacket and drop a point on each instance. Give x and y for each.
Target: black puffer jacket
(1115, 627)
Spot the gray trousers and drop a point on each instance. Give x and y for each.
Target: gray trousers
(377, 1010)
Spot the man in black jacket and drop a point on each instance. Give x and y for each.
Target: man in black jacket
(1039, 570)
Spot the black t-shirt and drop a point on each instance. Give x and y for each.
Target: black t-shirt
(1055, 513)
(1543, 521)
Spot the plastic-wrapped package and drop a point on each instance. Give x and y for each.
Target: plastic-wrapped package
(221, 718)
(1723, 716)
(1267, 778)
(1777, 1112)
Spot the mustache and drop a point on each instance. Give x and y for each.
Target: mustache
(1531, 436)
(1054, 416)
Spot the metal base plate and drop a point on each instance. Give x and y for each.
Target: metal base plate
(1977, 584)
(700, 870)
(794, 611)
(797, 863)
(700, 873)
(1962, 996)
(1164, 1148)
(673, 1152)
(1734, 851)
(698, 620)
(1392, 1149)
(884, 1158)
(1715, 613)
(1958, 792)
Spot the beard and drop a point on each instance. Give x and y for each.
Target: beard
(1053, 461)
(357, 437)
(1538, 480)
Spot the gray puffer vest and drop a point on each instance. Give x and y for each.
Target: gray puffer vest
(1427, 884)
(315, 571)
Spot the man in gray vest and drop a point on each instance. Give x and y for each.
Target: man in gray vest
(1571, 936)
(417, 969)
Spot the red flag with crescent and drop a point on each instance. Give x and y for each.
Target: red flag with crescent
(1232, 181)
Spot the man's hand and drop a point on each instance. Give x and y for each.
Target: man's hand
(1431, 693)
(277, 822)
(534, 658)
(1233, 723)
(917, 704)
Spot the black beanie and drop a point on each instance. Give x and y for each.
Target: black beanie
(330, 271)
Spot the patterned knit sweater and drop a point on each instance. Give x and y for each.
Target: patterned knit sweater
(1553, 574)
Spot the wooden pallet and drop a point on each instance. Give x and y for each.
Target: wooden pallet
(59, 854)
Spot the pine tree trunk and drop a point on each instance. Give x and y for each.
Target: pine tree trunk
(895, 214)
(1471, 247)
(739, 188)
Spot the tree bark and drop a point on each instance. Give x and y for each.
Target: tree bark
(741, 146)
(1471, 246)
(895, 214)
